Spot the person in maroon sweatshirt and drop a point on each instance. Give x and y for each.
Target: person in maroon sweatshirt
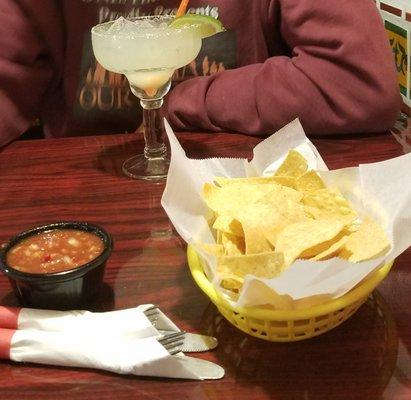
(326, 62)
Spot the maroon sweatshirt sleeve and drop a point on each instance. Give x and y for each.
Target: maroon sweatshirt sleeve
(26, 72)
(340, 77)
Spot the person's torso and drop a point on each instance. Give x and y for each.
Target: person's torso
(99, 101)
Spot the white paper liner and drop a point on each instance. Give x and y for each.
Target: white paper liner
(381, 190)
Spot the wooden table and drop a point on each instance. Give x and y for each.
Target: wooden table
(367, 357)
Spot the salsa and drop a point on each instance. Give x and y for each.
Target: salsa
(54, 251)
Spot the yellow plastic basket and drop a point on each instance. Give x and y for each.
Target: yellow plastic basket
(287, 325)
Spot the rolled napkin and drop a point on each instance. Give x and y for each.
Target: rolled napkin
(131, 321)
(119, 354)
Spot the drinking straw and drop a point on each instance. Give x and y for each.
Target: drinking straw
(182, 8)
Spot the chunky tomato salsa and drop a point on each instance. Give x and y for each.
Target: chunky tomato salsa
(54, 251)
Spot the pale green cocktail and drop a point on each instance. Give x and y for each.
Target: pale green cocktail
(147, 51)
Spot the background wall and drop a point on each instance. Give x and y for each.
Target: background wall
(397, 21)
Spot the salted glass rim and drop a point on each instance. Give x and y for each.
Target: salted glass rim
(101, 29)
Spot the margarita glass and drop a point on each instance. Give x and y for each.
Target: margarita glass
(147, 50)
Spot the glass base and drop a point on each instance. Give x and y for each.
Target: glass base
(151, 169)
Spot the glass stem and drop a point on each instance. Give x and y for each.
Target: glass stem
(153, 129)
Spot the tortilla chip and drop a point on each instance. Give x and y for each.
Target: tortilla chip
(288, 181)
(332, 250)
(213, 249)
(263, 265)
(289, 213)
(325, 203)
(228, 198)
(324, 246)
(233, 245)
(294, 165)
(255, 240)
(370, 241)
(228, 224)
(309, 182)
(279, 194)
(256, 221)
(301, 236)
(231, 282)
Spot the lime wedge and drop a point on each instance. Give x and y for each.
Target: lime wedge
(204, 24)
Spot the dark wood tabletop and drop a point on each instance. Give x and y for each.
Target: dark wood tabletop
(47, 180)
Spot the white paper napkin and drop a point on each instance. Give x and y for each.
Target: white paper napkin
(144, 357)
(121, 341)
(382, 190)
(131, 321)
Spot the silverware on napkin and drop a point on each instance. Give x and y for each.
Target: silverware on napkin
(193, 342)
(176, 342)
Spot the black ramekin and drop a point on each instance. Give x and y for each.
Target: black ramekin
(72, 289)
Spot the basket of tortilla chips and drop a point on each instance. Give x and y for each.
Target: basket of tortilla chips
(262, 225)
(285, 248)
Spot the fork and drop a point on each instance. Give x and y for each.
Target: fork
(152, 314)
(192, 342)
(172, 342)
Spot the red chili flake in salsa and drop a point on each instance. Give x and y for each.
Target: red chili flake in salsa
(55, 251)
